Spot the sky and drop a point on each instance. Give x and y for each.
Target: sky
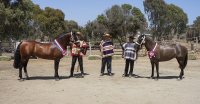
(83, 11)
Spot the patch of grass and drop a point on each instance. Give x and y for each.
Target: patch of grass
(5, 58)
(98, 57)
(192, 57)
(117, 57)
(94, 57)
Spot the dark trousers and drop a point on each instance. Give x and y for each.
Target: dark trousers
(80, 61)
(131, 64)
(106, 61)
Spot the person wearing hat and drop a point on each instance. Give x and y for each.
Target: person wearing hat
(77, 52)
(106, 48)
(129, 54)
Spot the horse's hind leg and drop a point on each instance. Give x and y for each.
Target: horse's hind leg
(56, 66)
(20, 72)
(25, 69)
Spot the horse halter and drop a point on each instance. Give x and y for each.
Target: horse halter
(74, 37)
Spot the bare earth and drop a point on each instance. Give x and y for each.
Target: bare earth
(93, 89)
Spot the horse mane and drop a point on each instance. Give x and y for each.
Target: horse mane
(61, 35)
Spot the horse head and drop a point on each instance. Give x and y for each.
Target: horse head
(140, 41)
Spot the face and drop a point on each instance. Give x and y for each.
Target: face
(130, 40)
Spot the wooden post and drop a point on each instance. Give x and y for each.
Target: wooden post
(90, 48)
(0, 49)
(196, 42)
(192, 46)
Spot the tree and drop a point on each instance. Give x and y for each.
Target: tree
(121, 21)
(15, 15)
(71, 25)
(196, 24)
(165, 19)
(196, 28)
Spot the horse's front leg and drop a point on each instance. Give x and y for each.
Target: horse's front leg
(152, 67)
(157, 69)
(56, 66)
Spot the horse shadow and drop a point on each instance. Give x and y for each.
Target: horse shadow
(160, 77)
(78, 75)
(47, 77)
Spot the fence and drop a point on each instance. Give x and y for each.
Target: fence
(8, 47)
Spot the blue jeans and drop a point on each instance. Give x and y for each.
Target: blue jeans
(106, 61)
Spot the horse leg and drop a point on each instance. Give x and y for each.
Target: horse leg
(152, 67)
(56, 66)
(180, 62)
(20, 69)
(25, 70)
(20, 72)
(157, 69)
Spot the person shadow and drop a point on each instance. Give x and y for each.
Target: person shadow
(79, 75)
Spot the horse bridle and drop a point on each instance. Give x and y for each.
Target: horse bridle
(73, 36)
(143, 41)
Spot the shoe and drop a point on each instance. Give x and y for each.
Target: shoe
(110, 74)
(124, 75)
(132, 75)
(82, 75)
(101, 74)
(71, 76)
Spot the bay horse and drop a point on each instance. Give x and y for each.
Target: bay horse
(52, 51)
(158, 53)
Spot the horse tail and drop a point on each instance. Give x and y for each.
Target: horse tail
(185, 61)
(17, 57)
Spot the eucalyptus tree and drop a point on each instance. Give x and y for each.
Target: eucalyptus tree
(165, 19)
(71, 25)
(54, 22)
(196, 25)
(121, 21)
(94, 30)
(15, 18)
(194, 29)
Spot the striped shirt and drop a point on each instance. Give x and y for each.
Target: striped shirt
(76, 49)
(107, 48)
(129, 51)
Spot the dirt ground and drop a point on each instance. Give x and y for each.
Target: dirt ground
(95, 89)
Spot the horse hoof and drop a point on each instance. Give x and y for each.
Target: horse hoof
(151, 77)
(27, 78)
(179, 78)
(57, 79)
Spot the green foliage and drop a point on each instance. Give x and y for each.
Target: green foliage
(5, 58)
(119, 21)
(22, 19)
(71, 25)
(197, 22)
(165, 19)
(16, 18)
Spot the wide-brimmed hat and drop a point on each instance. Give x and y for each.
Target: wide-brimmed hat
(107, 35)
(79, 33)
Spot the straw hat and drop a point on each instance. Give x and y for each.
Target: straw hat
(107, 35)
(79, 33)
